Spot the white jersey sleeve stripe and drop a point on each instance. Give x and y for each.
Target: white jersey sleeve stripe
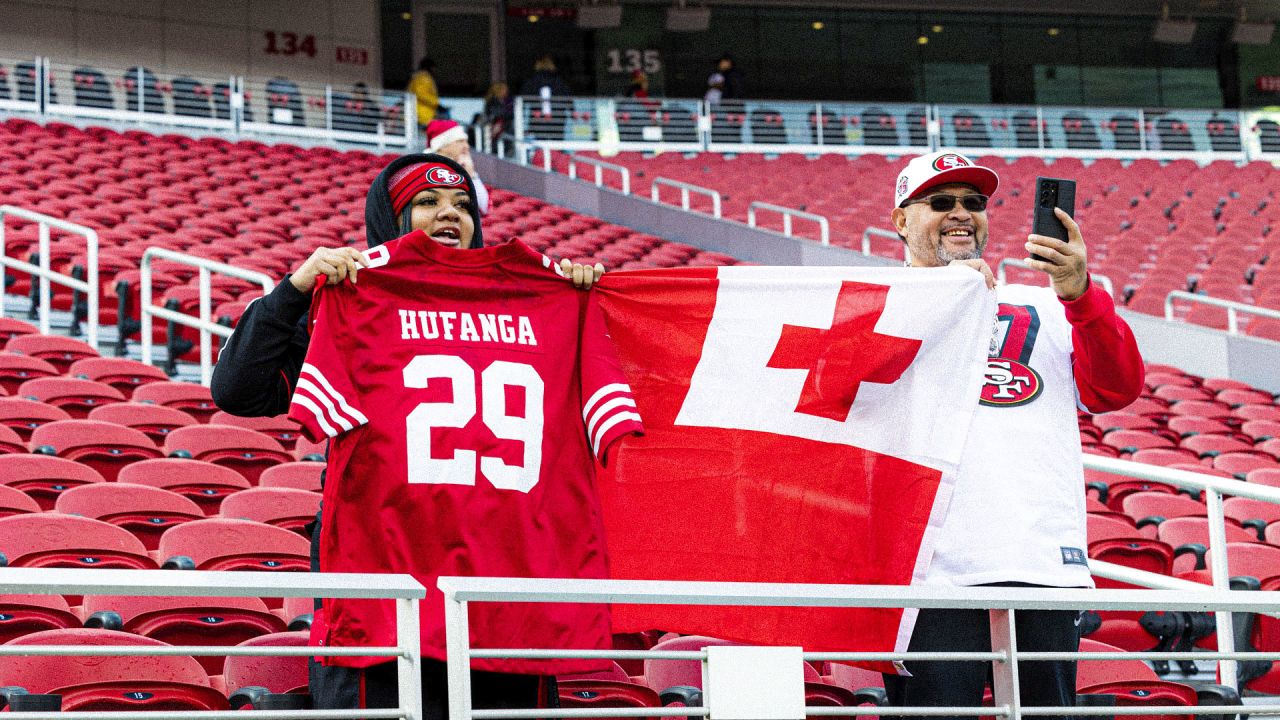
(305, 384)
(600, 395)
(306, 403)
(346, 407)
(603, 411)
(608, 424)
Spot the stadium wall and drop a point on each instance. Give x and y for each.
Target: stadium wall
(701, 231)
(253, 38)
(1207, 352)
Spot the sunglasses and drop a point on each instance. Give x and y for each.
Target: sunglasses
(945, 203)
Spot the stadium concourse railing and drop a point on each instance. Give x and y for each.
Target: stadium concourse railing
(686, 190)
(788, 214)
(231, 105)
(1166, 593)
(1006, 263)
(89, 286)
(767, 126)
(202, 322)
(403, 589)
(1233, 308)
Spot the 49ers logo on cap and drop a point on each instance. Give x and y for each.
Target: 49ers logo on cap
(443, 176)
(950, 161)
(1008, 383)
(903, 183)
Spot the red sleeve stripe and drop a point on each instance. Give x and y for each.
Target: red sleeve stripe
(589, 407)
(312, 416)
(629, 422)
(607, 409)
(339, 411)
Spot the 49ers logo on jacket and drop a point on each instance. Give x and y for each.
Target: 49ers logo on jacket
(950, 162)
(1009, 382)
(443, 176)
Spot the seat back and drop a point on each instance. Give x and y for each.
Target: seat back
(146, 512)
(221, 544)
(298, 475)
(25, 614)
(103, 446)
(111, 683)
(287, 508)
(662, 674)
(245, 451)
(276, 674)
(52, 539)
(203, 483)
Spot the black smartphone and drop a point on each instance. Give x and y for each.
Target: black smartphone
(1052, 193)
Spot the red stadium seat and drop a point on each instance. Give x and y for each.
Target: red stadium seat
(1214, 445)
(125, 684)
(154, 421)
(105, 447)
(281, 428)
(1240, 464)
(1131, 682)
(25, 614)
(596, 693)
(275, 674)
(185, 620)
(13, 327)
(16, 369)
(303, 450)
(77, 397)
(146, 512)
(1118, 542)
(298, 475)
(245, 451)
(1193, 531)
(43, 478)
(16, 502)
(1142, 505)
(23, 416)
(121, 373)
(11, 441)
(1131, 441)
(51, 539)
(288, 508)
(203, 483)
(190, 398)
(221, 544)
(57, 350)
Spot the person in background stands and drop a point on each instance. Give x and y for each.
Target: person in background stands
(498, 109)
(545, 82)
(423, 86)
(448, 138)
(639, 87)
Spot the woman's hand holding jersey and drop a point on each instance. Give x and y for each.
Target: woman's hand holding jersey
(335, 264)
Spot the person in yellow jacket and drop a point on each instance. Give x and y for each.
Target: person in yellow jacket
(423, 86)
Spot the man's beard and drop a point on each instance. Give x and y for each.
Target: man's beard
(945, 256)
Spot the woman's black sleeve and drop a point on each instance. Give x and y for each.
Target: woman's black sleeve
(258, 367)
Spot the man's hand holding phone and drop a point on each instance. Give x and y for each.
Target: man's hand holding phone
(1066, 262)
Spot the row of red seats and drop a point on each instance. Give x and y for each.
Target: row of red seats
(1151, 227)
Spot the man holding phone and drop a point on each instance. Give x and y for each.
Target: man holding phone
(1016, 515)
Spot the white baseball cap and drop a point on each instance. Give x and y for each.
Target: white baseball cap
(941, 168)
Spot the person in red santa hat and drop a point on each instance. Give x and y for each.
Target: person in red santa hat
(448, 138)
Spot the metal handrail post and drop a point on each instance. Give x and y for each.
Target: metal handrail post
(47, 276)
(876, 232)
(409, 663)
(600, 166)
(1218, 570)
(1142, 130)
(203, 322)
(519, 118)
(824, 226)
(1231, 306)
(686, 189)
(1245, 145)
(328, 108)
(457, 629)
(1004, 674)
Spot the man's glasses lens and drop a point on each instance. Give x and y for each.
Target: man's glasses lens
(944, 203)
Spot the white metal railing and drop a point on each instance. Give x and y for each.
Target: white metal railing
(203, 321)
(1002, 274)
(877, 232)
(1004, 603)
(229, 104)
(403, 589)
(89, 286)
(1232, 307)
(600, 166)
(685, 190)
(824, 227)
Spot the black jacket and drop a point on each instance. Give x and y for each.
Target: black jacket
(258, 367)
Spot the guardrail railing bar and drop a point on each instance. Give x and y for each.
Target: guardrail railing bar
(600, 166)
(824, 227)
(1002, 274)
(201, 323)
(878, 232)
(1232, 307)
(200, 583)
(89, 286)
(409, 664)
(199, 651)
(685, 190)
(222, 715)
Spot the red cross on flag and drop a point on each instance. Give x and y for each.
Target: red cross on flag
(802, 425)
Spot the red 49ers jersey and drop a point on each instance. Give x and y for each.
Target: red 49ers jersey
(468, 395)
